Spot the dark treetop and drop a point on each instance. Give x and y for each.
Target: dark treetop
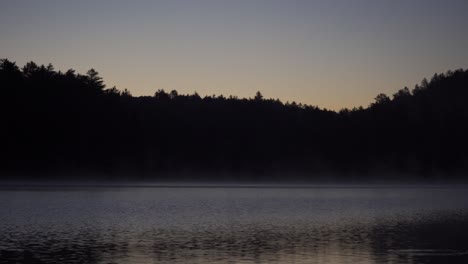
(55, 122)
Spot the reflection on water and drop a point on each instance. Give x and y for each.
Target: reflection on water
(237, 225)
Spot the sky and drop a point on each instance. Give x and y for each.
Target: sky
(328, 53)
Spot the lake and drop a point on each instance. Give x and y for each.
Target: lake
(233, 224)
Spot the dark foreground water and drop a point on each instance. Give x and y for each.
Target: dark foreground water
(233, 225)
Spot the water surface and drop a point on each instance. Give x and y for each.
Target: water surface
(136, 224)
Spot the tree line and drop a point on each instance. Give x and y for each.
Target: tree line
(64, 123)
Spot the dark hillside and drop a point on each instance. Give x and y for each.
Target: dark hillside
(54, 122)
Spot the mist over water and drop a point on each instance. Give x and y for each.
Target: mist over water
(219, 224)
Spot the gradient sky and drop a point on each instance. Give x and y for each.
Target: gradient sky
(330, 53)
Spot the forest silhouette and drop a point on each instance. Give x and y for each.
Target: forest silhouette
(65, 124)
